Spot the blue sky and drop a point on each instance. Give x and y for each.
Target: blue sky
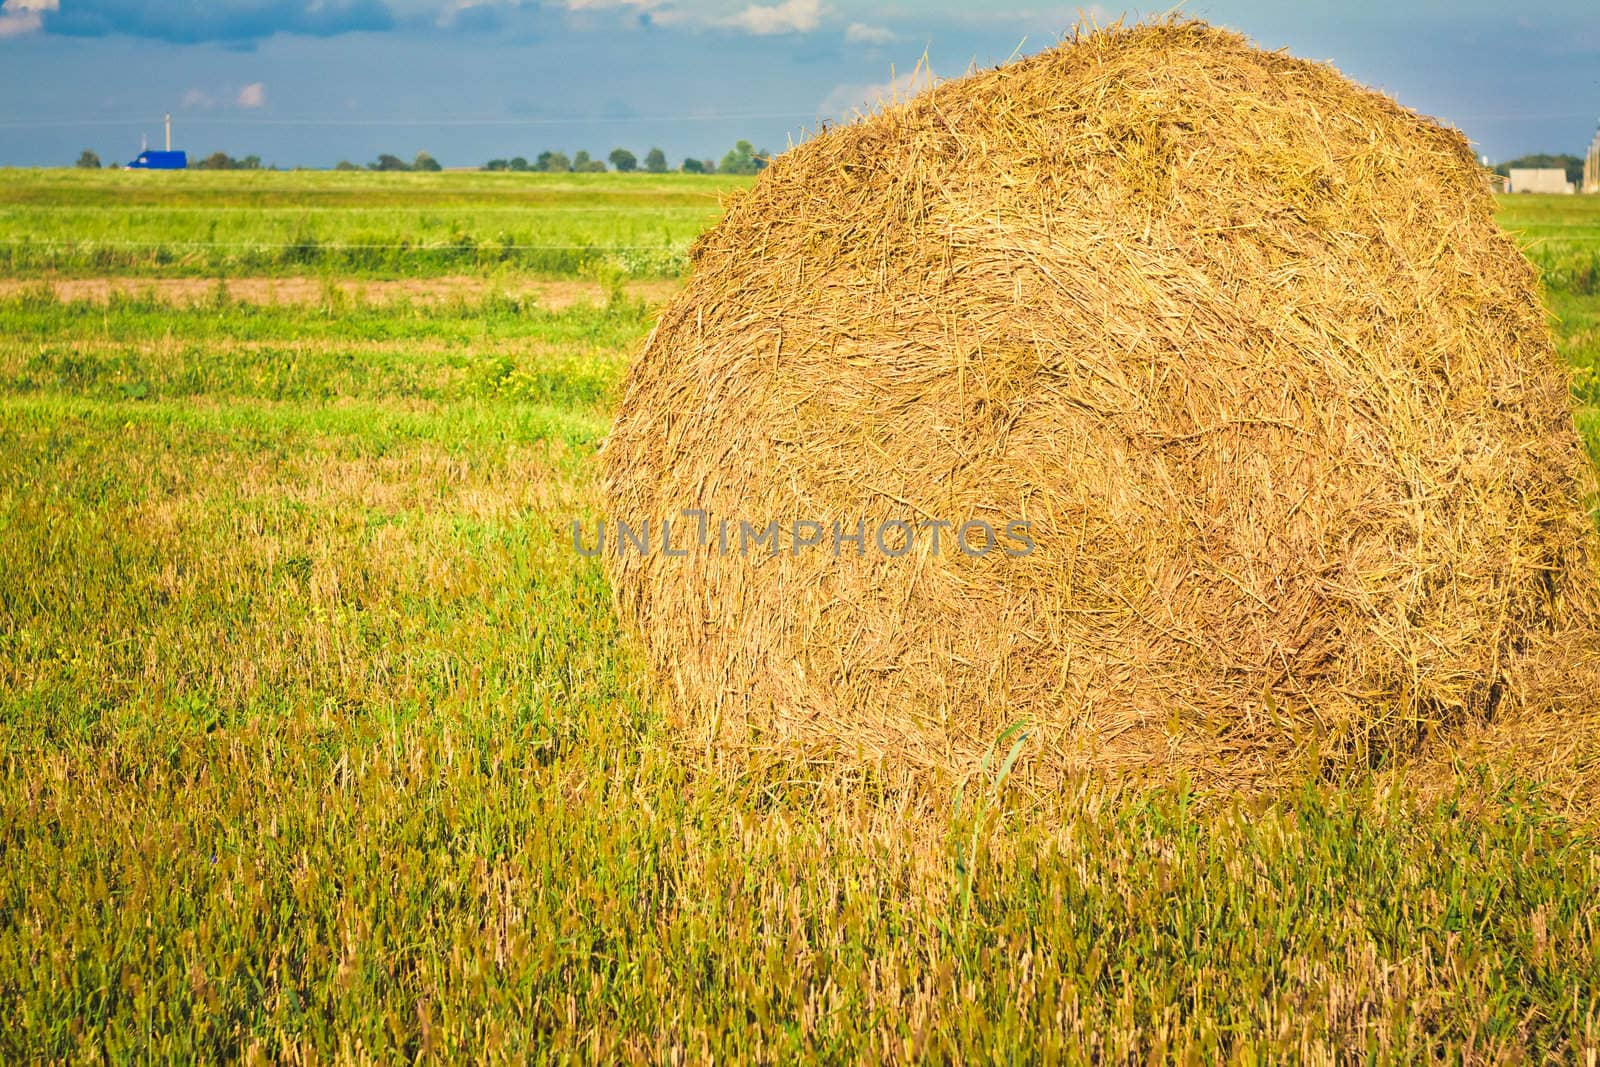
(310, 82)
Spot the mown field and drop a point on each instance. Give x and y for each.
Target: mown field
(318, 741)
(201, 223)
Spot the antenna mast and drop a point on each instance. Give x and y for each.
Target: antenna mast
(169, 131)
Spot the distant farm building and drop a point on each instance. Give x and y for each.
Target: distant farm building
(1542, 180)
(152, 160)
(164, 160)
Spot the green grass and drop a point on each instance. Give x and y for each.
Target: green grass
(1562, 237)
(1578, 339)
(366, 225)
(318, 740)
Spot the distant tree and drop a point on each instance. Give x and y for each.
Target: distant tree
(595, 166)
(345, 164)
(425, 162)
(707, 167)
(248, 163)
(655, 161)
(580, 162)
(740, 159)
(1573, 165)
(88, 160)
(554, 162)
(624, 160)
(744, 159)
(693, 166)
(496, 165)
(216, 161)
(519, 164)
(389, 162)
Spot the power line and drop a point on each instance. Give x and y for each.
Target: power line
(577, 120)
(1532, 117)
(195, 120)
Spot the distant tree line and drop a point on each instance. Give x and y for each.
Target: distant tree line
(90, 160)
(421, 162)
(223, 161)
(742, 158)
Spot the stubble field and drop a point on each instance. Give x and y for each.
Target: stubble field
(319, 741)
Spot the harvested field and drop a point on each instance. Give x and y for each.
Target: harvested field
(319, 742)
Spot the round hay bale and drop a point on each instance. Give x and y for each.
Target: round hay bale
(1235, 342)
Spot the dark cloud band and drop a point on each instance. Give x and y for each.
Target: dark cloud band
(229, 21)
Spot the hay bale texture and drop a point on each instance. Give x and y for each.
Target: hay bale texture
(1239, 339)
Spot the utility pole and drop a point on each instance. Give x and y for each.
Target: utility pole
(169, 131)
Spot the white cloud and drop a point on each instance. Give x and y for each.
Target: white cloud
(250, 96)
(452, 11)
(845, 100)
(861, 33)
(1064, 17)
(18, 17)
(19, 23)
(659, 12)
(450, 15)
(447, 14)
(1045, 21)
(791, 16)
